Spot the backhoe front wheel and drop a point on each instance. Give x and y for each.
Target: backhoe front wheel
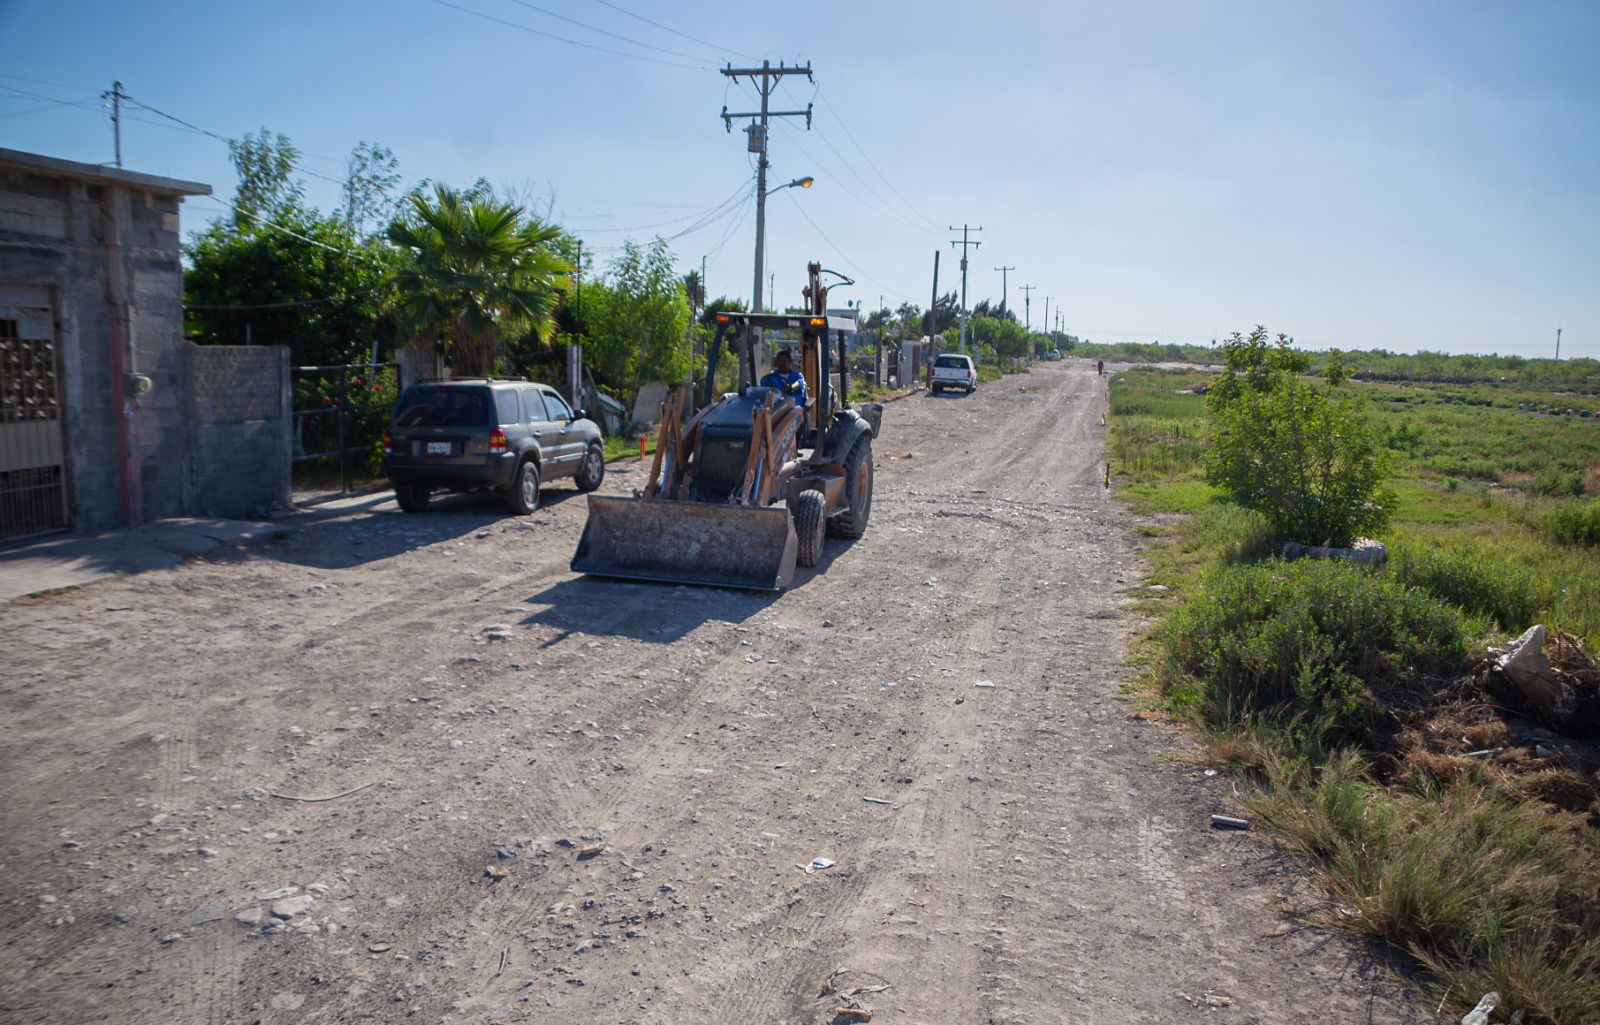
(810, 511)
(852, 520)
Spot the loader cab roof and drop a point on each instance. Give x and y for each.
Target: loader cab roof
(785, 321)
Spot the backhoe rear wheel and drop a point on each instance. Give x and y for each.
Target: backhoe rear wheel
(810, 511)
(852, 520)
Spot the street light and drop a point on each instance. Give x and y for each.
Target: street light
(761, 231)
(804, 183)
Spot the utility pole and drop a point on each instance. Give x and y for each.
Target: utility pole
(765, 79)
(1558, 343)
(964, 243)
(1027, 307)
(117, 96)
(1047, 312)
(933, 320)
(1002, 271)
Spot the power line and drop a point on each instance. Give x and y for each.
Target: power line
(84, 103)
(881, 207)
(40, 81)
(279, 227)
(562, 39)
(603, 32)
(664, 28)
(933, 225)
(273, 306)
(854, 266)
(220, 138)
(839, 180)
(738, 194)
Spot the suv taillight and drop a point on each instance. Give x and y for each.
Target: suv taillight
(497, 440)
(387, 442)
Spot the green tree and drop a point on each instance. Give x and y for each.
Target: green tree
(1299, 452)
(475, 270)
(267, 187)
(1006, 337)
(635, 321)
(278, 273)
(371, 173)
(298, 280)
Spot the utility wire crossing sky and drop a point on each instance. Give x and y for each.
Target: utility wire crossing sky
(1362, 175)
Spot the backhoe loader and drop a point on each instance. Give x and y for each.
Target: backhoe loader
(747, 487)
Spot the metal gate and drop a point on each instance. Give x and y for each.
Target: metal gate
(339, 415)
(33, 478)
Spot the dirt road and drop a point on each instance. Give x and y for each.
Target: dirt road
(475, 788)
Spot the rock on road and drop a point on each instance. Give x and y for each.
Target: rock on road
(410, 768)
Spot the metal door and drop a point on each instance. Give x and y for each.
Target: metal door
(33, 478)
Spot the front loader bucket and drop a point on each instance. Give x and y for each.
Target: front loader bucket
(687, 543)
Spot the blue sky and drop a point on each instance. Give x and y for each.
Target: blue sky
(1396, 175)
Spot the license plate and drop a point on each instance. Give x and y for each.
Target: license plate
(438, 448)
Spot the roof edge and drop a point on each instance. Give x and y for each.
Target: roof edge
(98, 173)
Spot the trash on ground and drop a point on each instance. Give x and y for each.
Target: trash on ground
(589, 852)
(1525, 664)
(1229, 822)
(1480, 1015)
(818, 863)
(877, 800)
(984, 683)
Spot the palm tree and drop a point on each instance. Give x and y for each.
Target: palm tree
(479, 271)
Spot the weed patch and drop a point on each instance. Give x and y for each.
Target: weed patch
(1574, 523)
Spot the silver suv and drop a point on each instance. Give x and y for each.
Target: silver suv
(507, 436)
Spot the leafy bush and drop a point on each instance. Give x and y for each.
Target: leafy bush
(1574, 523)
(1298, 453)
(1482, 586)
(1323, 645)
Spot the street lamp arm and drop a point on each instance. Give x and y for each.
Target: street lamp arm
(804, 183)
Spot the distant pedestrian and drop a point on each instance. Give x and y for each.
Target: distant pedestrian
(1100, 367)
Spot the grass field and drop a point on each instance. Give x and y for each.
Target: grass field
(1356, 703)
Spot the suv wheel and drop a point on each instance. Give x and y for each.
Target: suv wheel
(524, 494)
(412, 498)
(593, 470)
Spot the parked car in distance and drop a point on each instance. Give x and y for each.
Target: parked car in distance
(509, 437)
(1053, 354)
(953, 370)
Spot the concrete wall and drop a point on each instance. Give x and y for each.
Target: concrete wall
(51, 234)
(64, 236)
(241, 427)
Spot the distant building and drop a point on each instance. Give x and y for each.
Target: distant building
(107, 416)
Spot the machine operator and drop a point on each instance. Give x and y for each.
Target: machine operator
(785, 378)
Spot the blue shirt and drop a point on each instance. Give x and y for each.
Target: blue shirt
(792, 382)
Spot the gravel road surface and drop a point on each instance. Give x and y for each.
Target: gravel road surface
(409, 768)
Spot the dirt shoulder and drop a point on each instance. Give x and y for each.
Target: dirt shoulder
(512, 794)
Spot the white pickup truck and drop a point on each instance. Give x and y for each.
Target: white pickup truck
(953, 370)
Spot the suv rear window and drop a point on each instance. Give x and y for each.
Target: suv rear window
(443, 407)
(952, 362)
